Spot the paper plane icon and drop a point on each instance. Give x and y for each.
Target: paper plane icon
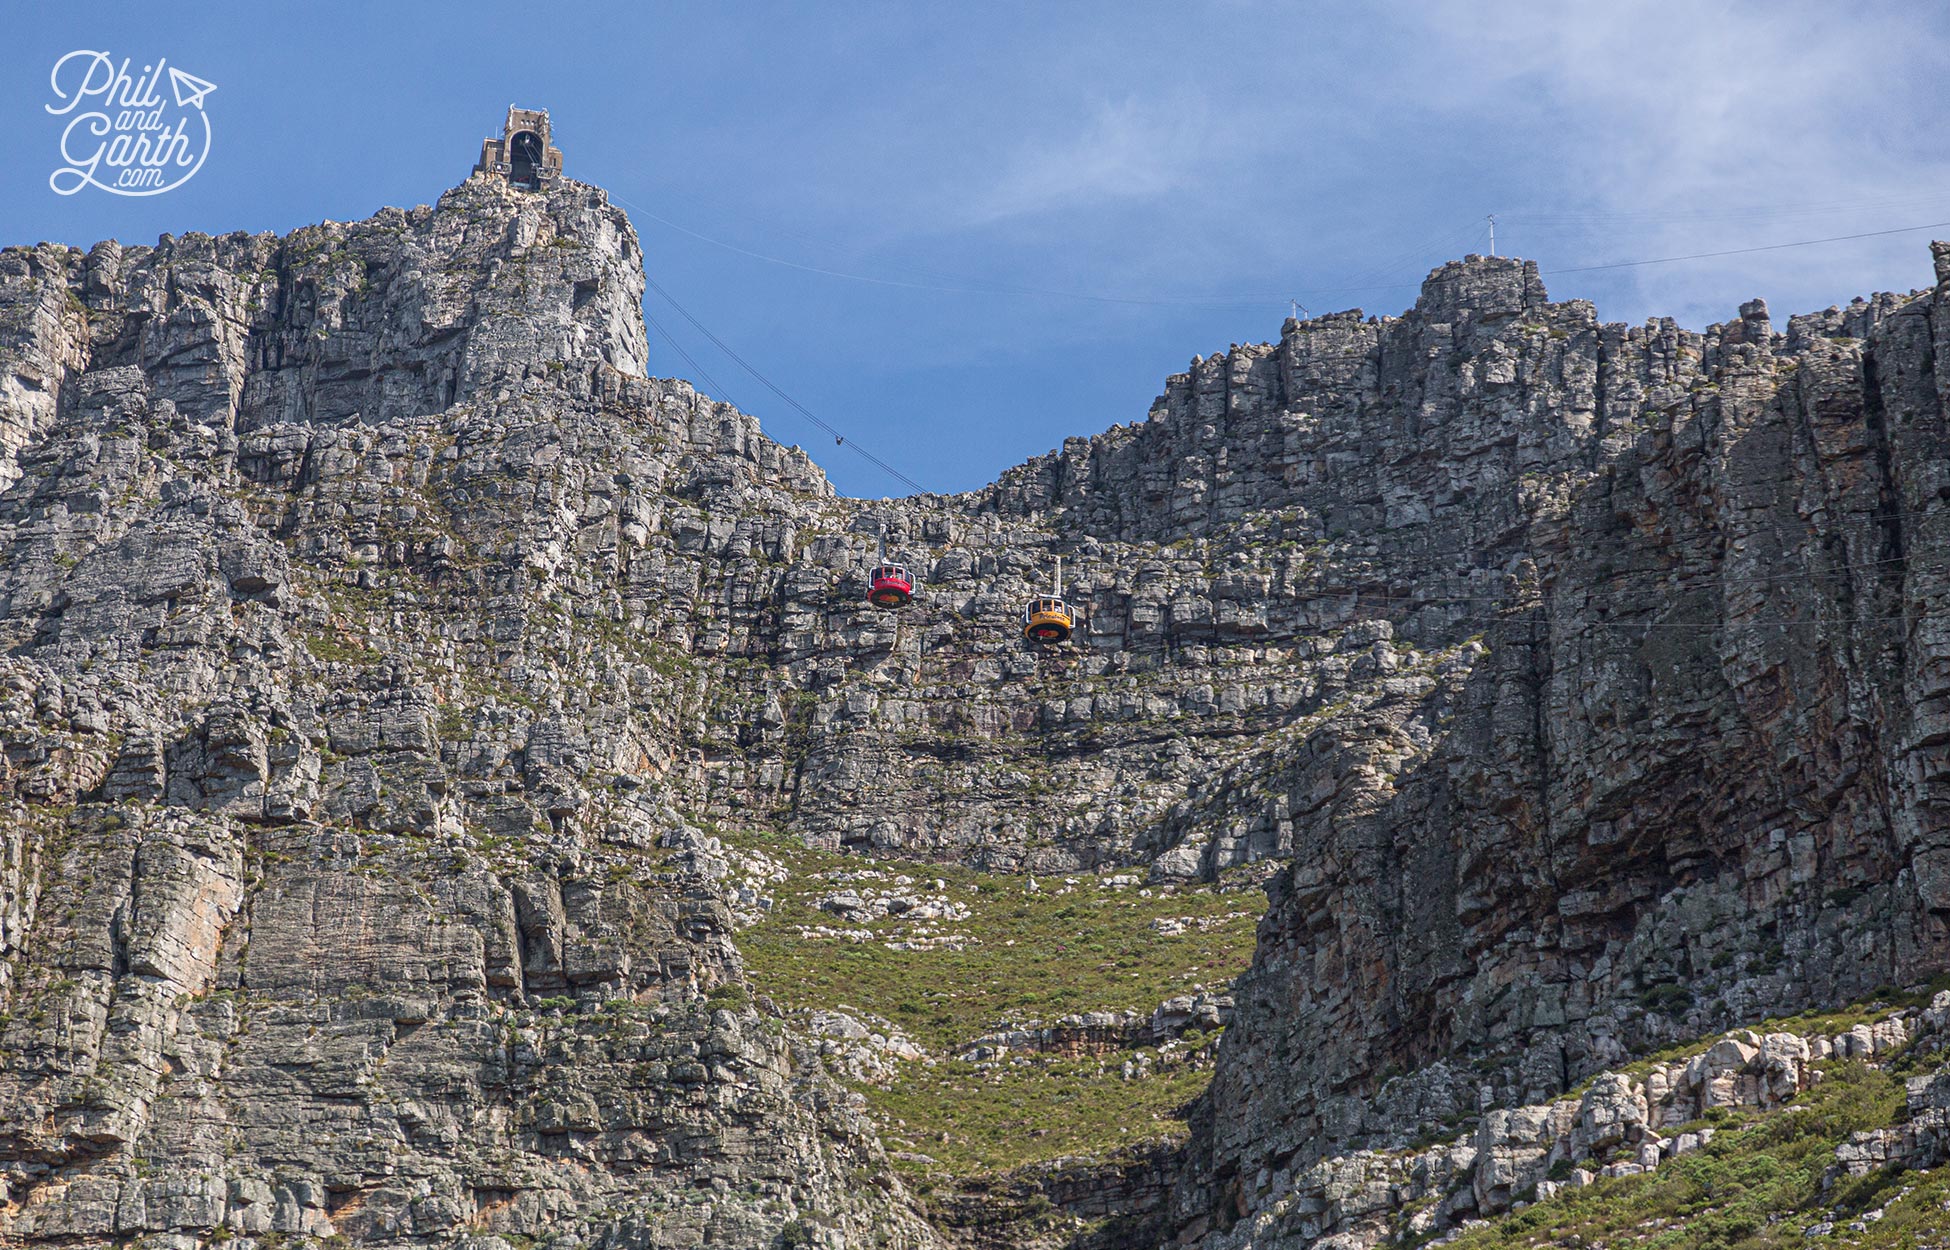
(189, 89)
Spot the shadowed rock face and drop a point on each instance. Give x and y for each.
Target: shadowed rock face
(372, 626)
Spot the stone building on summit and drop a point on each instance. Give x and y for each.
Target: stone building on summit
(523, 154)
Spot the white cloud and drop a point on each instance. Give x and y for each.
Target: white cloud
(1154, 148)
(1123, 150)
(1157, 150)
(1689, 128)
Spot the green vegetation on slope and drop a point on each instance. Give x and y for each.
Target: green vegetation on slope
(972, 1119)
(1073, 944)
(1757, 1187)
(1885, 1002)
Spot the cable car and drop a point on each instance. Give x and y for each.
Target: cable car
(1047, 618)
(889, 585)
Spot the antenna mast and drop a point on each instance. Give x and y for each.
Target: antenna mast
(1492, 234)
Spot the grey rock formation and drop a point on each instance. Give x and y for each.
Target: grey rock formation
(370, 618)
(1922, 1140)
(1698, 774)
(332, 905)
(1619, 1126)
(1106, 1032)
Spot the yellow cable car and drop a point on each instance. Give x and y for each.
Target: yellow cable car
(1049, 619)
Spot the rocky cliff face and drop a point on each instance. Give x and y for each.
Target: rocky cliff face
(373, 627)
(338, 901)
(1697, 776)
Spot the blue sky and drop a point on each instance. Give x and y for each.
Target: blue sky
(1045, 209)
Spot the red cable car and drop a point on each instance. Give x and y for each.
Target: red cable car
(891, 588)
(889, 585)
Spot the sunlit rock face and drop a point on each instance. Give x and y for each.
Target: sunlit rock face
(342, 895)
(1696, 779)
(377, 634)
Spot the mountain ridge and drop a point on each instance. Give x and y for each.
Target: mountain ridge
(367, 607)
